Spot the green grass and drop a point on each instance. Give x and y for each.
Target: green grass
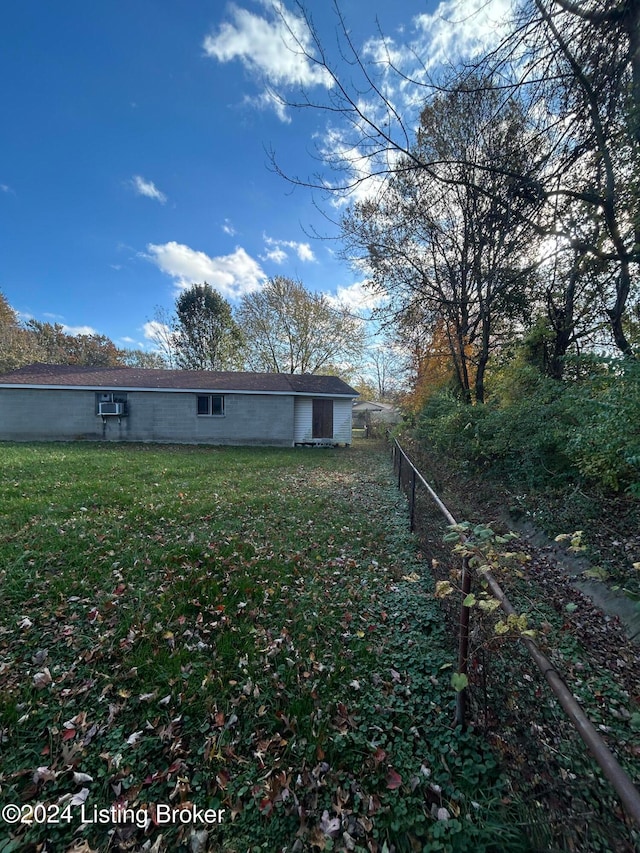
(244, 629)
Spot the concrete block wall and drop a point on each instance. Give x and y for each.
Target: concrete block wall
(36, 414)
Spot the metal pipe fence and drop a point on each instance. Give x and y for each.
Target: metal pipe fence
(408, 478)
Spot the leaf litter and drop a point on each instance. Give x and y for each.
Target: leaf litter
(251, 630)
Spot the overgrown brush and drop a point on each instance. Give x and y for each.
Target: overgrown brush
(535, 430)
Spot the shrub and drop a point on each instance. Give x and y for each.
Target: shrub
(533, 429)
(606, 444)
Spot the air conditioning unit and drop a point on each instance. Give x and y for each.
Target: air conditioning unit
(110, 409)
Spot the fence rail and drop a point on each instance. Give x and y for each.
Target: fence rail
(620, 781)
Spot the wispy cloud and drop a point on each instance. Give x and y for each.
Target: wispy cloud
(356, 297)
(232, 275)
(79, 330)
(147, 189)
(5, 188)
(460, 29)
(274, 48)
(228, 228)
(153, 330)
(276, 250)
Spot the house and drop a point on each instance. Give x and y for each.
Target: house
(53, 402)
(367, 414)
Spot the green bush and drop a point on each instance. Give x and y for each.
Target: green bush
(606, 446)
(534, 429)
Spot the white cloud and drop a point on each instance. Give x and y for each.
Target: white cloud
(361, 171)
(462, 28)
(232, 275)
(228, 228)
(153, 330)
(79, 330)
(278, 256)
(457, 30)
(147, 189)
(269, 100)
(274, 48)
(5, 188)
(305, 252)
(277, 253)
(356, 297)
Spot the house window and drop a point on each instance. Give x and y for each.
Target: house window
(210, 404)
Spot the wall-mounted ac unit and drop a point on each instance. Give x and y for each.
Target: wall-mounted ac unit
(110, 409)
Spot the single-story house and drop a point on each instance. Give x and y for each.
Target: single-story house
(366, 414)
(54, 402)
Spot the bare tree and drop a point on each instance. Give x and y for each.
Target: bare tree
(449, 248)
(289, 329)
(576, 67)
(161, 332)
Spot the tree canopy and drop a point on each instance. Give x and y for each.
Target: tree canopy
(206, 337)
(514, 208)
(289, 329)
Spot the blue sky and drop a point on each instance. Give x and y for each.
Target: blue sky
(133, 151)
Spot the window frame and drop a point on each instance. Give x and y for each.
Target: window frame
(210, 413)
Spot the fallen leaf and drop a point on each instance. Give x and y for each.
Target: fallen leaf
(42, 679)
(329, 826)
(394, 780)
(134, 738)
(79, 778)
(79, 798)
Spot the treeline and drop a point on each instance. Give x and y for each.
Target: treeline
(282, 328)
(35, 341)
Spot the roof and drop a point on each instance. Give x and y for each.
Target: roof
(368, 406)
(134, 378)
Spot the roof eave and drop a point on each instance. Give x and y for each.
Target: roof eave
(209, 390)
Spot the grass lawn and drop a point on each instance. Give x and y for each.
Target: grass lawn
(248, 631)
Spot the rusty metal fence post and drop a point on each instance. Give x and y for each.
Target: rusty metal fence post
(412, 500)
(463, 646)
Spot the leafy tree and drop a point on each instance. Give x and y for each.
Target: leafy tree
(206, 337)
(55, 346)
(144, 360)
(17, 346)
(289, 329)
(8, 316)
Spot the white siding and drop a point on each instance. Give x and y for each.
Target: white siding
(303, 421)
(342, 420)
(302, 414)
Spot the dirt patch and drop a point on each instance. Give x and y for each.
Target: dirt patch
(612, 603)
